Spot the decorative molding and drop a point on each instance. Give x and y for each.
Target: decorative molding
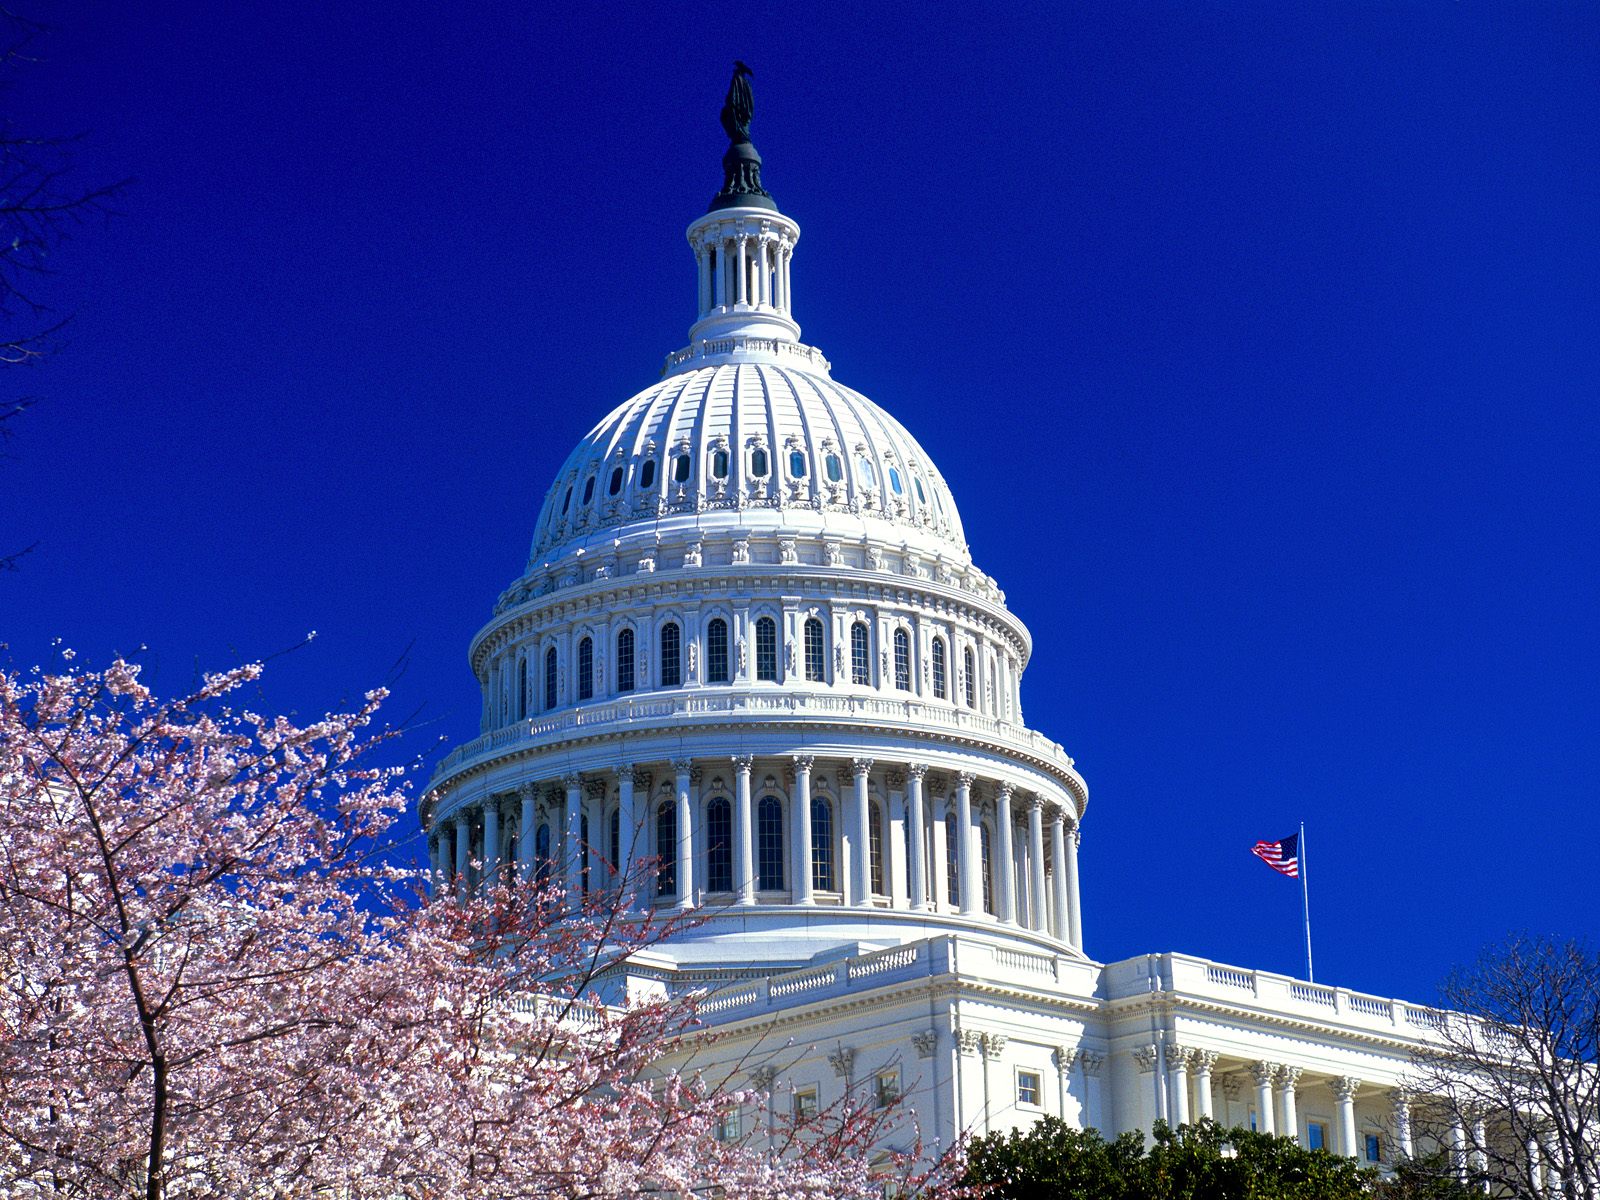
(762, 1077)
(1345, 1087)
(994, 1045)
(860, 766)
(926, 1042)
(917, 770)
(1288, 1077)
(1263, 1072)
(1203, 1061)
(1145, 1056)
(968, 1041)
(804, 762)
(843, 1061)
(743, 762)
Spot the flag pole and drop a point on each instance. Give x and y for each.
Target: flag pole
(1305, 901)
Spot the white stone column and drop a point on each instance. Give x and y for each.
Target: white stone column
(1289, 1124)
(1074, 905)
(968, 848)
(491, 842)
(463, 855)
(1036, 915)
(1058, 875)
(702, 275)
(526, 831)
(1093, 1107)
(741, 294)
(1458, 1148)
(1401, 1099)
(860, 835)
(744, 878)
(1344, 1098)
(1263, 1073)
(572, 845)
(1203, 1061)
(1004, 866)
(800, 804)
(917, 863)
(684, 866)
(1480, 1146)
(719, 275)
(1535, 1173)
(1178, 1084)
(627, 838)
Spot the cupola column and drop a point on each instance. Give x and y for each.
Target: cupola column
(743, 873)
(1036, 919)
(1058, 875)
(860, 836)
(685, 863)
(800, 888)
(1005, 878)
(917, 861)
(572, 857)
(968, 848)
(1074, 906)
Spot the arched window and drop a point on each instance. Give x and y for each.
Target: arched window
(967, 684)
(875, 842)
(822, 846)
(717, 651)
(938, 668)
(797, 464)
(719, 464)
(647, 474)
(902, 660)
(671, 655)
(566, 501)
(586, 669)
(988, 870)
(758, 463)
(952, 859)
(588, 489)
(769, 844)
(615, 485)
(869, 477)
(816, 653)
(860, 655)
(522, 689)
(767, 650)
(917, 483)
(719, 846)
(625, 661)
(550, 677)
(667, 849)
(541, 854)
(680, 468)
(834, 467)
(894, 481)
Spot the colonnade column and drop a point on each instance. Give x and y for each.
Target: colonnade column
(627, 835)
(1036, 864)
(741, 293)
(525, 832)
(1204, 1060)
(860, 836)
(1178, 1084)
(917, 862)
(1344, 1098)
(684, 873)
(491, 843)
(1287, 1078)
(801, 887)
(463, 856)
(1402, 1122)
(1458, 1148)
(744, 880)
(702, 276)
(572, 849)
(1074, 905)
(1058, 874)
(1263, 1073)
(967, 851)
(1005, 877)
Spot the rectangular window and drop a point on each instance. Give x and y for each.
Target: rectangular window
(671, 662)
(1028, 1087)
(1252, 1121)
(767, 650)
(805, 1103)
(860, 656)
(728, 1125)
(1316, 1135)
(1374, 1148)
(888, 1088)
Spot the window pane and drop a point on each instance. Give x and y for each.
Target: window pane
(875, 839)
(647, 473)
(860, 656)
(615, 485)
(625, 661)
(588, 490)
(966, 678)
(834, 467)
(769, 844)
(719, 464)
(816, 659)
(918, 484)
(667, 849)
(938, 668)
(671, 659)
(822, 846)
(566, 501)
(869, 477)
(902, 660)
(952, 860)
(894, 481)
(719, 846)
(797, 464)
(680, 468)
(758, 463)
(767, 650)
(586, 669)
(550, 677)
(717, 651)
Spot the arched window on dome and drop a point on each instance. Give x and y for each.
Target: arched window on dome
(719, 846)
(938, 669)
(615, 485)
(566, 501)
(550, 678)
(680, 468)
(541, 854)
(894, 482)
(719, 464)
(797, 464)
(822, 875)
(767, 650)
(988, 870)
(588, 489)
(875, 844)
(916, 482)
(834, 468)
(666, 849)
(860, 655)
(952, 860)
(902, 660)
(869, 477)
(647, 474)
(816, 652)
(671, 655)
(967, 684)
(625, 660)
(586, 669)
(522, 689)
(717, 651)
(769, 844)
(758, 463)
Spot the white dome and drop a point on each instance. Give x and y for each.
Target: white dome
(772, 445)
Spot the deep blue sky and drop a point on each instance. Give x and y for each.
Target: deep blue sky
(1257, 342)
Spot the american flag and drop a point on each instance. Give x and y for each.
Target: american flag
(1282, 856)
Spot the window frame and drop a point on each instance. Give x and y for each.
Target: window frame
(860, 654)
(552, 679)
(815, 636)
(770, 844)
(586, 668)
(719, 844)
(671, 654)
(626, 654)
(940, 691)
(760, 463)
(1023, 1075)
(766, 632)
(824, 861)
(667, 856)
(902, 660)
(886, 1086)
(717, 651)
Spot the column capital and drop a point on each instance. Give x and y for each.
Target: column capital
(994, 1045)
(763, 1077)
(804, 762)
(1204, 1060)
(842, 1060)
(1034, 803)
(1178, 1056)
(572, 779)
(926, 1042)
(1263, 1073)
(1345, 1087)
(630, 775)
(966, 778)
(743, 762)
(968, 1041)
(596, 789)
(1400, 1099)
(526, 791)
(860, 766)
(1092, 1061)
(1003, 791)
(1145, 1056)
(683, 765)
(916, 771)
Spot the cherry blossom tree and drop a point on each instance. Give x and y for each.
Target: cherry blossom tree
(215, 980)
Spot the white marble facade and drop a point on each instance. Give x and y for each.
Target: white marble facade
(751, 643)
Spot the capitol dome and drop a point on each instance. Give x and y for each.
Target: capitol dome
(751, 669)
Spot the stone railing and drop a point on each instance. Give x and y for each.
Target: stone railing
(710, 706)
(748, 344)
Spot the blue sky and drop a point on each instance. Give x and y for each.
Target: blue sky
(1257, 343)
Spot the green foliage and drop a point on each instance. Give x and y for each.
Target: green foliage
(1194, 1162)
